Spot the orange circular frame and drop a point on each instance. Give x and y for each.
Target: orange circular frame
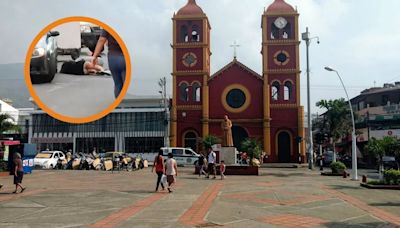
(96, 116)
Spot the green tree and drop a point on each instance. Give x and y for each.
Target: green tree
(336, 121)
(7, 124)
(210, 140)
(252, 147)
(382, 147)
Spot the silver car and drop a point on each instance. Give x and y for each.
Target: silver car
(43, 65)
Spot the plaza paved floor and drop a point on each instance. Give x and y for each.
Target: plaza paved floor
(276, 198)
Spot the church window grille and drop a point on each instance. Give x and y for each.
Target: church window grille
(195, 33)
(184, 34)
(184, 92)
(196, 92)
(275, 91)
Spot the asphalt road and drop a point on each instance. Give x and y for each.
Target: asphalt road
(77, 96)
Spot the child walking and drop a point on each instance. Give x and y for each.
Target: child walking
(222, 169)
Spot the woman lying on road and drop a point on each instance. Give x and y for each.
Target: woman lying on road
(82, 67)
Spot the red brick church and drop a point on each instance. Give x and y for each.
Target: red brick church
(266, 107)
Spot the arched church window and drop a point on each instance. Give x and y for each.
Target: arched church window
(196, 92)
(287, 89)
(274, 32)
(184, 34)
(184, 92)
(287, 32)
(275, 91)
(195, 33)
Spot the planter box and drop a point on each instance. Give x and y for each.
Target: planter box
(373, 186)
(236, 170)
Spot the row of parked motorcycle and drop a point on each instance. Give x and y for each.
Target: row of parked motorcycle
(109, 161)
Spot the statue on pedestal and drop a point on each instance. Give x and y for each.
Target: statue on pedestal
(226, 125)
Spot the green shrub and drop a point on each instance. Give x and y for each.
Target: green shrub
(391, 177)
(338, 167)
(376, 182)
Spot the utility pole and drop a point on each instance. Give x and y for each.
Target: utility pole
(163, 86)
(306, 37)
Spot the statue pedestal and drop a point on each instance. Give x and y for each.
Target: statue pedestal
(229, 155)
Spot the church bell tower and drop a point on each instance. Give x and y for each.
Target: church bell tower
(283, 114)
(190, 73)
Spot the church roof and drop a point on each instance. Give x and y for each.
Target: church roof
(280, 6)
(239, 64)
(191, 8)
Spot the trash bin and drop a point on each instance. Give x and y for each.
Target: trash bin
(27, 164)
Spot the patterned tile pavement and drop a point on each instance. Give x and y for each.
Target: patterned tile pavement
(289, 220)
(276, 198)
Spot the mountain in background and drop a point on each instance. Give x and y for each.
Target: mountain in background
(12, 85)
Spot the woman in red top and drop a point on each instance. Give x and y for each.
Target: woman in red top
(159, 165)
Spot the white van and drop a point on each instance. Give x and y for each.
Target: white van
(183, 156)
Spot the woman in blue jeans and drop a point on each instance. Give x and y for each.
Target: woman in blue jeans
(116, 60)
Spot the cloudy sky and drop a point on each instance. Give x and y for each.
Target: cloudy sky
(359, 38)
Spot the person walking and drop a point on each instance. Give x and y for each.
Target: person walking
(201, 163)
(116, 60)
(171, 170)
(211, 163)
(18, 173)
(159, 167)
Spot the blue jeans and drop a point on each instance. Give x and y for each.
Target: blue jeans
(118, 71)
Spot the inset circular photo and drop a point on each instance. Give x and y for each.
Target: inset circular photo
(77, 69)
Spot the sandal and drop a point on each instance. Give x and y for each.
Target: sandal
(22, 190)
(14, 192)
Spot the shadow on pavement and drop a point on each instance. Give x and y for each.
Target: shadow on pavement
(138, 191)
(282, 174)
(350, 225)
(387, 204)
(345, 187)
(7, 193)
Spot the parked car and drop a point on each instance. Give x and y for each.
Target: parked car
(183, 156)
(48, 159)
(327, 157)
(389, 162)
(43, 65)
(90, 34)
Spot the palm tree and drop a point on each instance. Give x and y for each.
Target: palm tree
(336, 121)
(6, 123)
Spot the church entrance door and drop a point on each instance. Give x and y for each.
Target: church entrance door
(284, 145)
(191, 141)
(239, 134)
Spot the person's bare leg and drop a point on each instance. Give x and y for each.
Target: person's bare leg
(22, 188)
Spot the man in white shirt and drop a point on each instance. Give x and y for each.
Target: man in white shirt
(212, 157)
(171, 171)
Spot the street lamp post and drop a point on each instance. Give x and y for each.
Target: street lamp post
(353, 134)
(306, 37)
